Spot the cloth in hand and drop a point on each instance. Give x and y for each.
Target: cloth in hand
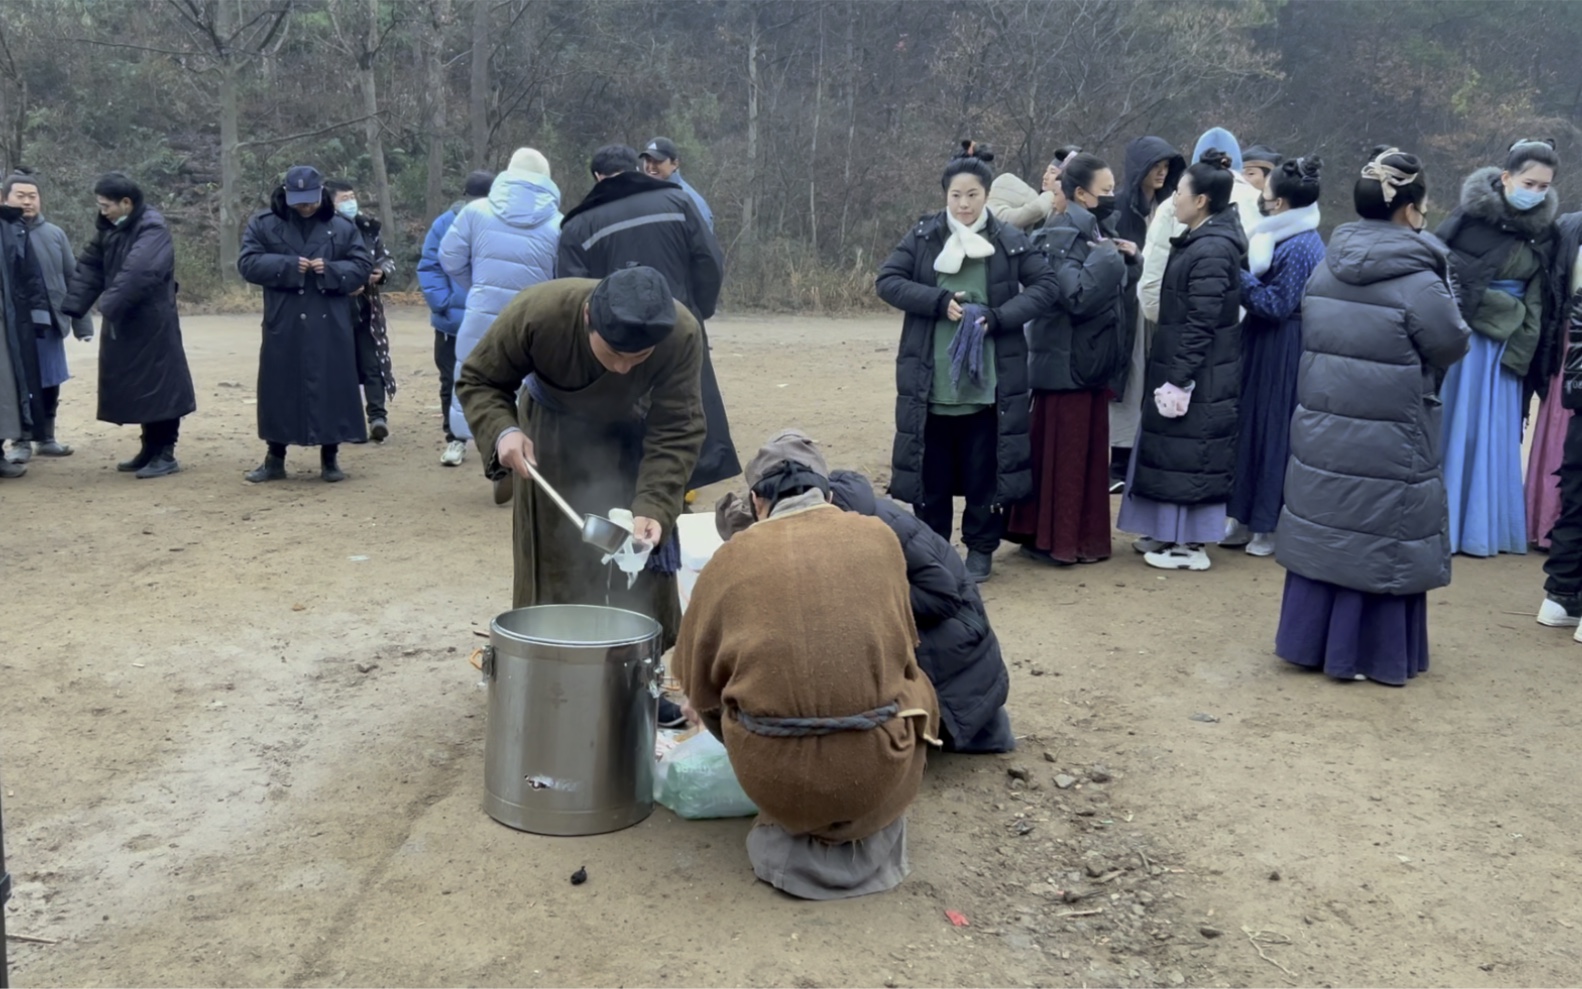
(966, 347)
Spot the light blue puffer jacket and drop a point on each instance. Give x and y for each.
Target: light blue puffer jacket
(497, 247)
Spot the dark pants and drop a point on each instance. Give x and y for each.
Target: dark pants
(326, 452)
(445, 363)
(163, 433)
(51, 400)
(368, 371)
(1564, 565)
(960, 458)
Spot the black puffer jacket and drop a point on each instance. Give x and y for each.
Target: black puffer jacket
(1076, 345)
(1021, 287)
(1192, 460)
(1569, 239)
(1133, 208)
(959, 651)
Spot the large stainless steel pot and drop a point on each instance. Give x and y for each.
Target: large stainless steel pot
(573, 694)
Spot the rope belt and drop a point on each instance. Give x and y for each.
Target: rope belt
(805, 727)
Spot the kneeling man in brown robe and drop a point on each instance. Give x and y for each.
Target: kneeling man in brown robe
(798, 651)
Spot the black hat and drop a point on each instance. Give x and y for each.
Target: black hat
(304, 185)
(632, 310)
(661, 149)
(1262, 154)
(479, 183)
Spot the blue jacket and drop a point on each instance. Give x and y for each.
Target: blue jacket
(697, 198)
(447, 301)
(497, 247)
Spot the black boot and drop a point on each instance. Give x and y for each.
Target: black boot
(48, 446)
(330, 466)
(272, 469)
(140, 461)
(163, 463)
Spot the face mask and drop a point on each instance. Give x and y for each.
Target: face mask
(347, 209)
(1524, 199)
(1104, 207)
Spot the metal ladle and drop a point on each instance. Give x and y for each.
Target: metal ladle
(597, 531)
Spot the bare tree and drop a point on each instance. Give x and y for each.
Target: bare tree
(360, 29)
(434, 64)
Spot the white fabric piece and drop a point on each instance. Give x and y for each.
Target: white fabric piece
(628, 559)
(1273, 230)
(965, 242)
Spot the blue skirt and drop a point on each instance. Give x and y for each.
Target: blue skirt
(1348, 633)
(1483, 453)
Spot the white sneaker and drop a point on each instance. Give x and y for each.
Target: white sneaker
(1577, 635)
(455, 452)
(1178, 557)
(1555, 615)
(1261, 544)
(1148, 544)
(1236, 534)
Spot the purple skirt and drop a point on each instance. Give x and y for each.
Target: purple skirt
(1383, 637)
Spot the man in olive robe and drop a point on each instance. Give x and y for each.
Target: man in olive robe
(611, 415)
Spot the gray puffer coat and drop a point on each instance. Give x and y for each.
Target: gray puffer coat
(1365, 492)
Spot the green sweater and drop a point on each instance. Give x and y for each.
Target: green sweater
(946, 398)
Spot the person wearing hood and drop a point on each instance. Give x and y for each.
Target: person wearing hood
(1364, 532)
(447, 307)
(26, 321)
(368, 312)
(49, 244)
(1258, 163)
(1074, 350)
(129, 269)
(630, 218)
(498, 246)
(1285, 249)
(967, 284)
(662, 160)
(798, 653)
(1153, 169)
(611, 412)
(1164, 227)
(1501, 241)
(958, 651)
(1017, 203)
(311, 262)
(1185, 455)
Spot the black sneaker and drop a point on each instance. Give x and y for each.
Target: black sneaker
(980, 565)
(670, 715)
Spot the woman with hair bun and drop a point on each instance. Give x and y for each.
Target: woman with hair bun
(1364, 531)
(966, 282)
(1501, 241)
(1074, 349)
(1185, 454)
(1284, 250)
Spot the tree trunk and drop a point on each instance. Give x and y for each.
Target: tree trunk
(434, 196)
(230, 168)
(812, 156)
(851, 118)
(376, 143)
(749, 201)
(478, 92)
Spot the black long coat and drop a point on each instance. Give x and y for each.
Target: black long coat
(1021, 287)
(1192, 460)
(307, 366)
(131, 271)
(1077, 344)
(27, 317)
(957, 649)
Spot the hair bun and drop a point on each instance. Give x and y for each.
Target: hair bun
(973, 149)
(1215, 158)
(1305, 169)
(1408, 163)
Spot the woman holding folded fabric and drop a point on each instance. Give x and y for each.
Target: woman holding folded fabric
(1501, 241)
(1284, 250)
(967, 283)
(1074, 349)
(1185, 454)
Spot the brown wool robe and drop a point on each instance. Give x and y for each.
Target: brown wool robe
(808, 614)
(615, 441)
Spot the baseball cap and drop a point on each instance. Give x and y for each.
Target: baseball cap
(304, 185)
(661, 149)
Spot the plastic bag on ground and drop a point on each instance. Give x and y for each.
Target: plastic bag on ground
(694, 778)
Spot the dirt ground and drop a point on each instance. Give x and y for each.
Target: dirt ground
(203, 786)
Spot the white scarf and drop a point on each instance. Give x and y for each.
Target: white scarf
(1271, 230)
(965, 242)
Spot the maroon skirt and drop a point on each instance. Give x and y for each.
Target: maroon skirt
(1068, 516)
